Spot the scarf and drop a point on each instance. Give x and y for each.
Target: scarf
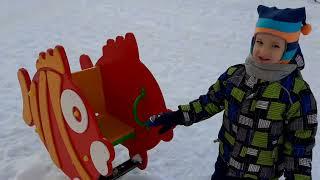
(268, 72)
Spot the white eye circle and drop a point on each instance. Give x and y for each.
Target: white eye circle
(70, 101)
(100, 155)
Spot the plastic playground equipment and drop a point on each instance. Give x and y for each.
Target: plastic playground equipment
(81, 116)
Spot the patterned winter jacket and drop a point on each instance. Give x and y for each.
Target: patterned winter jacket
(268, 127)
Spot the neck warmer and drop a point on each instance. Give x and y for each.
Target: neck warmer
(268, 72)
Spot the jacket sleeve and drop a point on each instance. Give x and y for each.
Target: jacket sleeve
(208, 104)
(300, 130)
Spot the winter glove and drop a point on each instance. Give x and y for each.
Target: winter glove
(168, 120)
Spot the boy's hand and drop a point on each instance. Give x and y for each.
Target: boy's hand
(168, 120)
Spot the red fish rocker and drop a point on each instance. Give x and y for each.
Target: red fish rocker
(81, 116)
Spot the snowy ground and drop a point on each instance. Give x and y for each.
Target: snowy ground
(186, 45)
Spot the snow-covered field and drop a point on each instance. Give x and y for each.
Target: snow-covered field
(186, 45)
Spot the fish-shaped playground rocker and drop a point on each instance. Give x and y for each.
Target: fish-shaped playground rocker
(81, 116)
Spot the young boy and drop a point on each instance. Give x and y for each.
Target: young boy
(270, 114)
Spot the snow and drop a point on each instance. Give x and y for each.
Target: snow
(185, 44)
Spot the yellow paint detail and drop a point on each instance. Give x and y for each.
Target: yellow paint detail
(26, 113)
(35, 110)
(54, 62)
(54, 83)
(44, 114)
(85, 158)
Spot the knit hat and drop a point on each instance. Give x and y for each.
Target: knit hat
(287, 24)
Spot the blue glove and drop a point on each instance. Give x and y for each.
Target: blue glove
(168, 120)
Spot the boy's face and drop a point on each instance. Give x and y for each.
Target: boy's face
(268, 49)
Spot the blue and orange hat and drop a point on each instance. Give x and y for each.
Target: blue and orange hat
(287, 24)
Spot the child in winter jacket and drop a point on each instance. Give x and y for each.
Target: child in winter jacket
(270, 114)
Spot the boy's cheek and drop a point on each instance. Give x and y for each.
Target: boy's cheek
(255, 56)
(277, 57)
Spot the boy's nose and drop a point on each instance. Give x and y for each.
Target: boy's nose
(264, 53)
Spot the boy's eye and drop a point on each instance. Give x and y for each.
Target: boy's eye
(259, 42)
(275, 46)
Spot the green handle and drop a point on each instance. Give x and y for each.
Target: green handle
(135, 105)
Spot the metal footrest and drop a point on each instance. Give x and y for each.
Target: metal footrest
(121, 170)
